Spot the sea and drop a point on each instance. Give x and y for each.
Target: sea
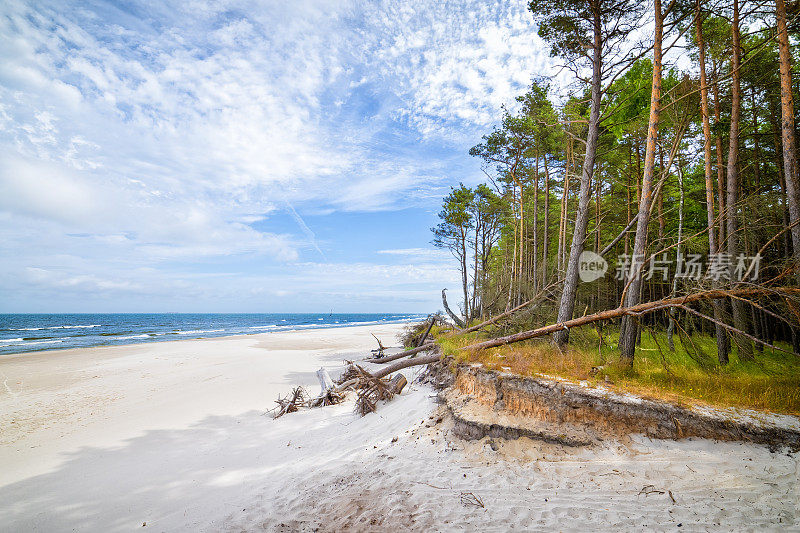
(21, 333)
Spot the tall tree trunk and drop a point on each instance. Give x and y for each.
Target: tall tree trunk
(478, 230)
(535, 226)
(776, 134)
(720, 161)
(756, 146)
(638, 173)
(514, 255)
(661, 222)
(569, 293)
(743, 345)
(545, 235)
(562, 226)
(628, 212)
(465, 274)
(521, 256)
(483, 272)
(629, 329)
(678, 255)
(723, 346)
(597, 211)
(787, 126)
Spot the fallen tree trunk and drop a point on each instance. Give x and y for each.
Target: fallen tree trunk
(398, 383)
(424, 347)
(421, 341)
(636, 310)
(412, 351)
(621, 235)
(506, 313)
(639, 309)
(414, 361)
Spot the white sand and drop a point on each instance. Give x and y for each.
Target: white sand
(173, 435)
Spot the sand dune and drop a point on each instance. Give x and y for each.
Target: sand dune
(172, 436)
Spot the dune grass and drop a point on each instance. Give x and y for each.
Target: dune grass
(688, 375)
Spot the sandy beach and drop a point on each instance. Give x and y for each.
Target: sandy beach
(172, 436)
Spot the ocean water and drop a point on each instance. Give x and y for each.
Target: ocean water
(35, 332)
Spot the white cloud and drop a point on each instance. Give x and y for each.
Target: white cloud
(456, 65)
(162, 134)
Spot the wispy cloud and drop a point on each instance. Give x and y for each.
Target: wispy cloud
(170, 135)
(312, 238)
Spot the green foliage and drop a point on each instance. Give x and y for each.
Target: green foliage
(566, 25)
(534, 209)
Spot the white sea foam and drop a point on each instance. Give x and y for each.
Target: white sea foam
(61, 327)
(195, 331)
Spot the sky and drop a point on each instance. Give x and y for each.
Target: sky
(235, 156)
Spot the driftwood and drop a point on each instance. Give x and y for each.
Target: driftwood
(459, 323)
(381, 347)
(290, 403)
(325, 381)
(400, 365)
(373, 387)
(328, 394)
(406, 353)
(398, 383)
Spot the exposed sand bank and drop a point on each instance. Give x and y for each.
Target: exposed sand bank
(173, 435)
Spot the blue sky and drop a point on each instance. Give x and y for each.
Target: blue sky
(243, 156)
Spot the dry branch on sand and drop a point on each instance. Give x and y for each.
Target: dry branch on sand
(378, 352)
(371, 389)
(291, 403)
(299, 398)
(470, 499)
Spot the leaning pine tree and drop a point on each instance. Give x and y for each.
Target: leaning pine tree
(588, 35)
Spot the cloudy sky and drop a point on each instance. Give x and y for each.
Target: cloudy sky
(243, 156)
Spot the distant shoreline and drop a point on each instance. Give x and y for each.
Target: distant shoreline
(34, 333)
(147, 344)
